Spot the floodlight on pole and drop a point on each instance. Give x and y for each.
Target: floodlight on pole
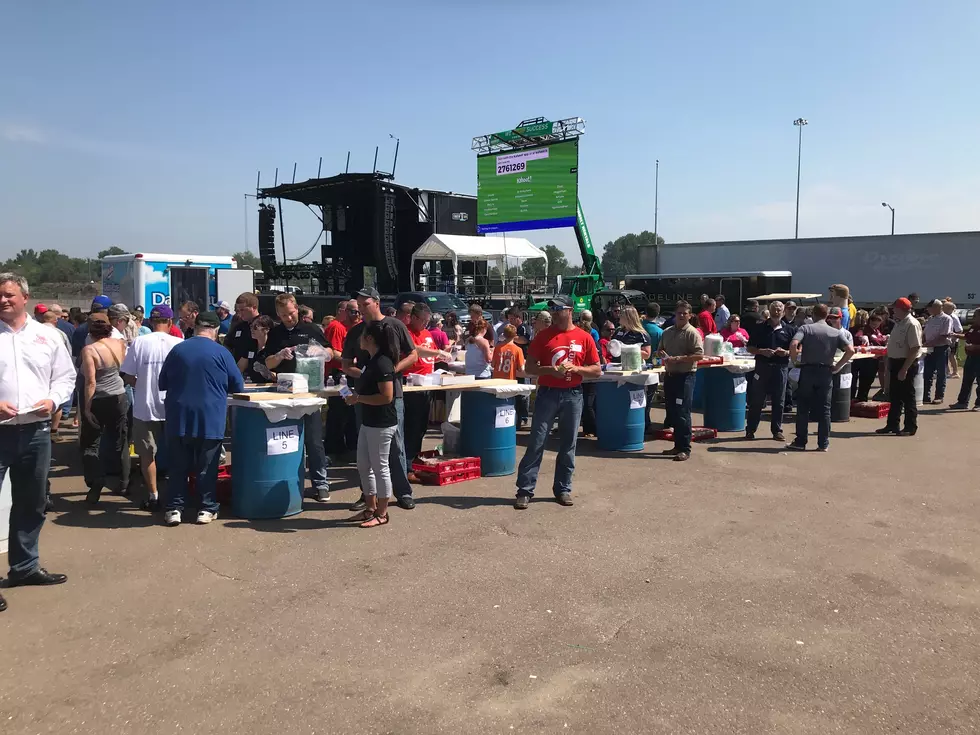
(886, 204)
(798, 122)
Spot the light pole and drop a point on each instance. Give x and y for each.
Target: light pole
(798, 122)
(886, 204)
(656, 211)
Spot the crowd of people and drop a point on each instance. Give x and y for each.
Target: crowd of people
(163, 380)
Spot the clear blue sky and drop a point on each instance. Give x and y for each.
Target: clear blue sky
(138, 126)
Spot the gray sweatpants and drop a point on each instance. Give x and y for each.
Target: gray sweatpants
(373, 447)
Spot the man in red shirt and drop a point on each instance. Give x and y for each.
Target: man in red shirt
(417, 403)
(561, 356)
(341, 424)
(706, 320)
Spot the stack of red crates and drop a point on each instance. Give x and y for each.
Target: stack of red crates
(448, 472)
(698, 433)
(870, 409)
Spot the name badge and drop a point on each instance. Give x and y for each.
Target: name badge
(251, 354)
(575, 347)
(239, 334)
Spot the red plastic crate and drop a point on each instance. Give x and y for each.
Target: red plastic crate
(223, 489)
(870, 409)
(447, 472)
(698, 433)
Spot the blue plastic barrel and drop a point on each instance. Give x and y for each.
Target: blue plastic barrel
(724, 409)
(267, 465)
(619, 428)
(698, 400)
(479, 435)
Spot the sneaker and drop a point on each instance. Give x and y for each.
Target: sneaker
(959, 406)
(823, 449)
(172, 517)
(907, 432)
(682, 456)
(406, 502)
(779, 437)
(887, 430)
(358, 506)
(671, 452)
(522, 502)
(150, 505)
(976, 408)
(205, 517)
(936, 401)
(323, 495)
(48, 504)
(750, 435)
(796, 447)
(565, 499)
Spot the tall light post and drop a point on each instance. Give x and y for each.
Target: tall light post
(656, 211)
(886, 204)
(798, 122)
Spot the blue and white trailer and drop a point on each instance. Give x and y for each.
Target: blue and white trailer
(152, 279)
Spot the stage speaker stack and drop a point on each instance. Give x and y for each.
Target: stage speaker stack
(267, 239)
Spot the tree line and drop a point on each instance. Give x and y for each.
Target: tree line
(619, 258)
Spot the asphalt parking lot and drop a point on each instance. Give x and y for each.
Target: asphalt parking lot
(746, 591)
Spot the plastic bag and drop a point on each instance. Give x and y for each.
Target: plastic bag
(311, 360)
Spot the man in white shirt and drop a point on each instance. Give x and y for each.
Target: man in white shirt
(904, 345)
(954, 367)
(936, 335)
(36, 377)
(141, 369)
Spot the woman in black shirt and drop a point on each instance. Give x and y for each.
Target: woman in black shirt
(379, 421)
(631, 332)
(255, 370)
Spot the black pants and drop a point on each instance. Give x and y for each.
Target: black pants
(866, 372)
(768, 381)
(813, 397)
(901, 393)
(679, 394)
(588, 409)
(111, 415)
(971, 374)
(341, 436)
(416, 422)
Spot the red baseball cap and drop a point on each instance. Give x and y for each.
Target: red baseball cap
(40, 309)
(904, 303)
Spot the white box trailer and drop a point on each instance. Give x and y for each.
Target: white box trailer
(877, 268)
(152, 279)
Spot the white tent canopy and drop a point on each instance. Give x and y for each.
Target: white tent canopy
(469, 247)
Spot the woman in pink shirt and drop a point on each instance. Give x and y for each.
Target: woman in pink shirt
(734, 333)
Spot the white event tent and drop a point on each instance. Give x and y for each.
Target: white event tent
(496, 250)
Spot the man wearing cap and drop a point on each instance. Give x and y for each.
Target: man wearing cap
(283, 340)
(36, 376)
(815, 346)
(78, 339)
(353, 357)
(904, 345)
(561, 356)
(935, 336)
(681, 347)
(141, 370)
(223, 310)
(197, 376)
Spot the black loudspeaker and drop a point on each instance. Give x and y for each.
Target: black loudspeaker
(267, 238)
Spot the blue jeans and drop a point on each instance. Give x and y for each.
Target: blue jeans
(936, 364)
(769, 381)
(316, 455)
(566, 405)
(679, 395)
(25, 450)
(396, 453)
(200, 456)
(813, 395)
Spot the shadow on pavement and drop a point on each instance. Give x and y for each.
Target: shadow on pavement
(463, 502)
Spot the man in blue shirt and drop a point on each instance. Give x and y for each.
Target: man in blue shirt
(197, 375)
(223, 310)
(99, 304)
(769, 342)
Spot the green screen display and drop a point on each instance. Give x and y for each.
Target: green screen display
(528, 189)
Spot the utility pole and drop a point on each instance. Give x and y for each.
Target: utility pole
(798, 122)
(656, 212)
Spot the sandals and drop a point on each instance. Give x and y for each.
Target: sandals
(364, 515)
(375, 521)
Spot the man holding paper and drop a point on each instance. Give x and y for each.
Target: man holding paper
(36, 377)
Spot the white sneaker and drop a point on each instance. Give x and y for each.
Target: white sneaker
(172, 517)
(206, 517)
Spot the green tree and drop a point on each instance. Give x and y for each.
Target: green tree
(621, 256)
(534, 268)
(112, 251)
(247, 259)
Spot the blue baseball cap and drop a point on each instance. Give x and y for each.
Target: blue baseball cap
(104, 301)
